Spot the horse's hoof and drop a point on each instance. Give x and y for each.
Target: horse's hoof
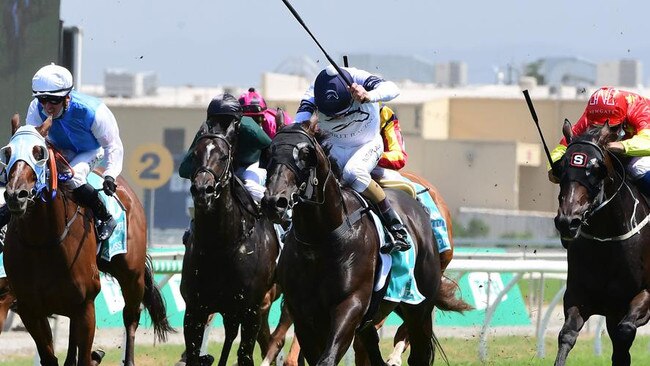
(97, 356)
(206, 360)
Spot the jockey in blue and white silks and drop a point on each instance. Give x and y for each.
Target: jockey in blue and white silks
(85, 131)
(350, 116)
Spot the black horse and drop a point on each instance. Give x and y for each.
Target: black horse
(229, 262)
(327, 268)
(602, 218)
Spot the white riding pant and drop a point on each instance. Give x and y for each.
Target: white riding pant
(356, 162)
(254, 179)
(638, 166)
(82, 163)
(380, 173)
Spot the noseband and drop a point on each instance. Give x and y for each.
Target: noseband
(222, 180)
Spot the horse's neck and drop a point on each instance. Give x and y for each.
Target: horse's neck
(317, 220)
(627, 205)
(50, 219)
(224, 222)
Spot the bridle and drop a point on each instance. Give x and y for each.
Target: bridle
(307, 190)
(601, 201)
(220, 180)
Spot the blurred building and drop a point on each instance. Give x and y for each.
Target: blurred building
(451, 74)
(126, 84)
(627, 73)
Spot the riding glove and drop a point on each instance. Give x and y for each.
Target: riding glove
(109, 185)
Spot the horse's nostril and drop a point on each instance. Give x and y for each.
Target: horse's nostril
(209, 190)
(282, 202)
(23, 194)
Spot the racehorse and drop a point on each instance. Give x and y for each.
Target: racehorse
(400, 340)
(602, 218)
(50, 255)
(229, 262)
(327, 268)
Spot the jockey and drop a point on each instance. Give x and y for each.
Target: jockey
(254, 106)
(617, 107)
(350, 116)
(84, 130)
(394, 156)
(252, 140)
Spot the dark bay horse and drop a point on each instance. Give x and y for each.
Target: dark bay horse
(50, 255)
(327, 268)
(602, 218)
(229, 262)
(400, 340)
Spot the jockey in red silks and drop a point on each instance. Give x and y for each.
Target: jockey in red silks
(618, 107)
(254, 106)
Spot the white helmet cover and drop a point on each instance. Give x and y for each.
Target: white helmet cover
(52, 80)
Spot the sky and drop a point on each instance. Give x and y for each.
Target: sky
(214, 42)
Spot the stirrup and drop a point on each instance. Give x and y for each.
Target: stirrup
(105, 229)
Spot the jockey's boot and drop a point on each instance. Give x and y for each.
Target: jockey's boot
(397, 231)
(87, 196)
(5, 216)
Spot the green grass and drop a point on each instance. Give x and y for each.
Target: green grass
(502, 351)
(531, 287)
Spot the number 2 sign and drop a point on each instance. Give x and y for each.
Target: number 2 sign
(151, 165)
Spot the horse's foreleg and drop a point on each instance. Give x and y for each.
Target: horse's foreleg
(194, 323)
(39, 328)
(294, 358)
(343, 322)
(400, 344)
(250, 328)
(71, 356)
(230, 326)
(277, 339)
(264, 333)
(573, 322)
(623, 333)
(83, 330)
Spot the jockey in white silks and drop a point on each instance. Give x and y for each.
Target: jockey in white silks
(350, 116)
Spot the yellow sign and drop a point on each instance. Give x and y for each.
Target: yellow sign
(151, 165)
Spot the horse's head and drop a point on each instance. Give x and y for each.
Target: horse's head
(291, 170)
(585, 172)
(213, 157)
(24, 161)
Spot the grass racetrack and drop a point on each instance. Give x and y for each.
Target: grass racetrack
(502, 350)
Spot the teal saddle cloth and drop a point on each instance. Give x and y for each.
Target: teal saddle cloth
(116, 244)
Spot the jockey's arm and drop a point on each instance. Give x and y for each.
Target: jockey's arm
(638, 145)
(107, 134)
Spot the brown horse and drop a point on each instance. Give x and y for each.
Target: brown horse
(54, 269)
(327, 268)
(400, 340)
(229, 262)
(602, 218)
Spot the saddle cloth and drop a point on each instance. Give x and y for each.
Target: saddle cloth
(116, 244)
(399, 269)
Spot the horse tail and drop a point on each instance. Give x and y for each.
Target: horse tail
(155, 303)
(446, 299)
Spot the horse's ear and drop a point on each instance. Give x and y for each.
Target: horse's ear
(45, 127)
(313, 124)
(15, 123)
(567, 131)
(279, 118)
(232, 129)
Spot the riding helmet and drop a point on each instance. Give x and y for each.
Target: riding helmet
(52, 80)
(225, 104)
(252, 103)
(331, 93)
(607, 104)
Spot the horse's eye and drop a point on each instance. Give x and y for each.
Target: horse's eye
(38, 152)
